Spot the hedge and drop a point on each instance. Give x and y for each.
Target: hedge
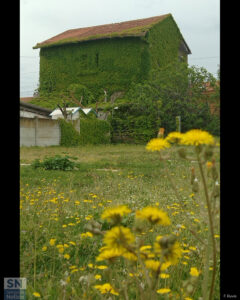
(92, 131)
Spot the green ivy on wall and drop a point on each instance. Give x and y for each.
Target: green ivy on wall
(103, 64)
(109, 64)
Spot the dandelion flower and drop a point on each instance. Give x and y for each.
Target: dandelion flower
(129, 255)
(193, 248)
(109, 254)
(194, 272)
(116, 213)
(98, 277)
(72, 267)
(101, 267)
(67, 256)
(52, 242)
(36, 294)
(153, 265)
(86, 234)
(44, 248)
(169, 248)
(197, 137)
(106, 288)
(209, 164)
(157, 144)
(174, 137)
(156, 266)
(163, 291)
(118, 237)
(72, 243)
(153, 215)
(164, 275)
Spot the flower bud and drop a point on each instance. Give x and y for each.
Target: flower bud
(189, 289)
(93, 227)
(195, 186)
(216, 189)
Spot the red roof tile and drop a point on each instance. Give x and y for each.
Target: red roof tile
(129, 28)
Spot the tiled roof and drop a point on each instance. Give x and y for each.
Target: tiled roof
(26, 99)
(130, 28)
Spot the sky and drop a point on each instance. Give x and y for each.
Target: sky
(198, 21)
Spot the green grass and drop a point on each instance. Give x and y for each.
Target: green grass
(108, 175)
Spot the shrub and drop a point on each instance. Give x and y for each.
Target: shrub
(56, 163)
(69, 135)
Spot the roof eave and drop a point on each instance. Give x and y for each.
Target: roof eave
(67, 42)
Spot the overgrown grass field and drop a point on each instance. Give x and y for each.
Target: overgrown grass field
(58, 251)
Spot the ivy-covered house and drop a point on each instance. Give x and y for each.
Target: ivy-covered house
(110, 57)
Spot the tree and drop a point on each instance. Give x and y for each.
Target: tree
(80, 94)
(182, 90)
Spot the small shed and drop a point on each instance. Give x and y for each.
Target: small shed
(74, 113)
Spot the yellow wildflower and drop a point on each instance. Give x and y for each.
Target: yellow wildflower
(129, 255)
(209, 164)
(101, 267)
(164, 275)
(106, 288)
(163, 291)
(60, 248)
(98, 277)
(52, 242)
(115, 214)
(67, 256)
(153, 215)
(174, 137)
(72, 243)
(194, 272)
(86, 234)
(169, 248)
(118, 237)
(44, 248)
(157, 144)
(109, 254)
(74, 270)
(156, 266)
(197, 137)
(193, 248)
(36, 294)
(72, 267)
